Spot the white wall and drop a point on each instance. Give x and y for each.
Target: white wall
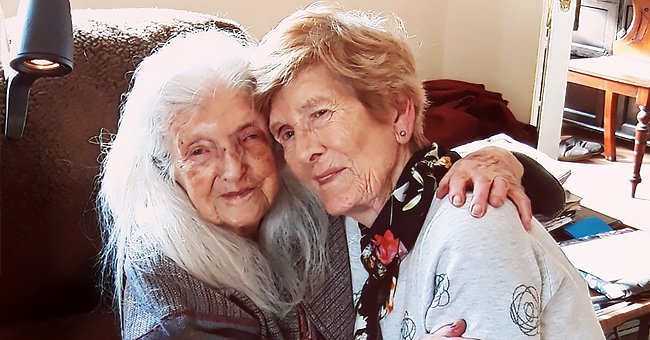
(495, 43)
(490, 42)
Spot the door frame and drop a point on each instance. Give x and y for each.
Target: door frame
(551, 74)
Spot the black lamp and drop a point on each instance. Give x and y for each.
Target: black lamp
(44, 49)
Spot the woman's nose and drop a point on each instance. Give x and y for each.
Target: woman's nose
(308, 146)
(234, 166)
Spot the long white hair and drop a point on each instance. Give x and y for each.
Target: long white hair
(145, 212)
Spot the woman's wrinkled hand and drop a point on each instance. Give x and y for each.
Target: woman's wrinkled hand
(451, 331)
(494, 174)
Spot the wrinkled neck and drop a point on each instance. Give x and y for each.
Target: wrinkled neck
(367, 215)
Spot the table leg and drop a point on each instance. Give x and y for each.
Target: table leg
(640, 139)
(609, 126)
(643, 328)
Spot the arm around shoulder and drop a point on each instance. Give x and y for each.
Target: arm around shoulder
(546, 193)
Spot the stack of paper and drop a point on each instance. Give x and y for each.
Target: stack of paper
(614, 263)
(567, 215)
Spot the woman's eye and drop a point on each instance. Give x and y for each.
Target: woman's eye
(285, 134)
(320, 117)
(251, 136)
(321, 113)
(288, 135)
(252, 133)
(198, 152)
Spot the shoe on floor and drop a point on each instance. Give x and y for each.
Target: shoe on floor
(592, 147)
(572, 152)
(573, 149)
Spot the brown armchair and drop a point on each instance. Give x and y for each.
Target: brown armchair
(49, 285)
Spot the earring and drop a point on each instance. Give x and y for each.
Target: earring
(402, 133)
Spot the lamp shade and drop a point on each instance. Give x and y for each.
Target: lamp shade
(45, 47)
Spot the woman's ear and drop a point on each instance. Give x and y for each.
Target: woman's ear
(404, 121)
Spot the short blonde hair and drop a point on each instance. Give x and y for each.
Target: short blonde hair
(367, 51)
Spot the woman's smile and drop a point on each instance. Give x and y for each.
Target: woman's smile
(237, 194)
(328, 176)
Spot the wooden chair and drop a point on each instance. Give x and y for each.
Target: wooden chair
(626, 72)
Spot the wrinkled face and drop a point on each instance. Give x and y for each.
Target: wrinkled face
(223, 159)
(333, 144)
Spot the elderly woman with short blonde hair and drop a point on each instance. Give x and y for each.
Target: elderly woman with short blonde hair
(345, 103)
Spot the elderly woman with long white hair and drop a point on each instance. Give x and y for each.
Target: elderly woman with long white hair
(345, 103)
(204, 234)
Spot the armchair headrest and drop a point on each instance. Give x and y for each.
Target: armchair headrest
(47, 177)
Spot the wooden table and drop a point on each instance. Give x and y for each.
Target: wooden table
(618, 75)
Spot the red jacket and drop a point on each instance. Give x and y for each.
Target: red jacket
(461, 112)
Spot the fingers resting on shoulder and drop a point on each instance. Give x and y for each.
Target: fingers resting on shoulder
(494, 175)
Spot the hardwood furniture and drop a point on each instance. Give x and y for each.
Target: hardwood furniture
(598, 24)
(638, 309)
(626, 72)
